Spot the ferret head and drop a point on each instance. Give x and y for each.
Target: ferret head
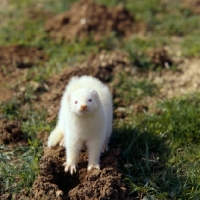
(84, 101)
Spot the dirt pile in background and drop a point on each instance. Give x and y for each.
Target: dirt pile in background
(87, 17)
(194, 5)
(180, 82)
(17, 56)
(10, 132)
(102, 66)
(13, 60)
(54, 183)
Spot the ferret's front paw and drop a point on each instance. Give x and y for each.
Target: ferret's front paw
(50, 143)
(70, 167)
(93, 166)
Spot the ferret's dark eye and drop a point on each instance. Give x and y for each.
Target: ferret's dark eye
(90, 100)
(76, 102)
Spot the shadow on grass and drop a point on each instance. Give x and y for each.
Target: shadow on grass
(142, 161)
(160, 156)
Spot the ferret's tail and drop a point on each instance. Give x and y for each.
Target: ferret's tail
(56, 137)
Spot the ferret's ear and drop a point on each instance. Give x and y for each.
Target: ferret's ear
(95, 93)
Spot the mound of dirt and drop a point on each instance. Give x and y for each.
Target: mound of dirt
(13, 61)
(160, 57)
(13, 56)
(10, 132)
(87, 17)
(194, 5)
(101, 66)
(54, 183)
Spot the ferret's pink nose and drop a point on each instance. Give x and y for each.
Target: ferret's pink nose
(83, 107)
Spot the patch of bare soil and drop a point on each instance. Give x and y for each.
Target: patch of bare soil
(160, 57)
(13, 60)
(181, 82)
(194, 5)
(171, 83)
(5, 92)
(102, 66)
(17, 56)
(87, 17)
(54, 183)
(38, 12)
(10, 132)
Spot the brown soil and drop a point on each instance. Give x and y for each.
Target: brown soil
(54, 183)
(16, 56)
(160, 57)
(183, 81)
(177, 83)
(13, 60)
(92, 18)
(194, 5)
(5, 92)
(10, 132)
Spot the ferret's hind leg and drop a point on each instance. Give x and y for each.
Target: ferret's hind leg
(105, 146)
(56, 136)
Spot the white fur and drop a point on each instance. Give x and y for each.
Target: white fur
(91, 125)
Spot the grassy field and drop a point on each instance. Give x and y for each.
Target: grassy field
(160, 149)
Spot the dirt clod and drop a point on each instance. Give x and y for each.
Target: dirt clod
(54, 183)
(140, 108)
(6, 196)
(14, 61)
(13, 56)
(91, 18)
(10, 131)
(160, 57)
(194, 5)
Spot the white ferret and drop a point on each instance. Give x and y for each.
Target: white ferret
(85, 117)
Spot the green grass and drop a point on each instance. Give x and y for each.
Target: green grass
(22, 173)
(162, 159)
(131, 91)
(159, 151)
(138, 48)
(19, 173)
(190, 46)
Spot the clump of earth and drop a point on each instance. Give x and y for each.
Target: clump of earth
(17, 56)
(14, 62)
(10, 131)
(160, 57)
(53, 183)
(92, 19)
(194, 5)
